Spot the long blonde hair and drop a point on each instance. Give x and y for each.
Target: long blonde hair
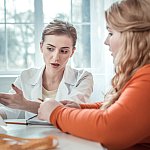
(132, 19)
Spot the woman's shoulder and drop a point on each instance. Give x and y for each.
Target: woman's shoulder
(73, 75)
(145, 70)
(142, 74)
(31, 73)
(77, 71)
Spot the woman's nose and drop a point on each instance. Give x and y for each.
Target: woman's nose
(56, 56)
(106, 42)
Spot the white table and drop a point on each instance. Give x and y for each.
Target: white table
(66, 141)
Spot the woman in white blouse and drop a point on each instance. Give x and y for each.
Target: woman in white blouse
(55, 80)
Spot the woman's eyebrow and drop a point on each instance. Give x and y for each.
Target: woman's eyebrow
(65, 47)
(51, 45)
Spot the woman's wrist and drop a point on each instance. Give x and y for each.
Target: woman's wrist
(31, 106)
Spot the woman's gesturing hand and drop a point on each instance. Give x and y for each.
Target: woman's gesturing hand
(16, 100)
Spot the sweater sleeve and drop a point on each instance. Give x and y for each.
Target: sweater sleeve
(122, 125)
(91, 106)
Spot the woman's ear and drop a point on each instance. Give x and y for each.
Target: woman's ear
(73, 50)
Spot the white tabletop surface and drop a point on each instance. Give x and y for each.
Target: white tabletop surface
(66, 141)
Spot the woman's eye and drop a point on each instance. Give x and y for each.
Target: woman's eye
(50, 49)
(64, 51)
(110, 34)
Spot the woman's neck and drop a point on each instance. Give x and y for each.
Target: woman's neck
(51, 80)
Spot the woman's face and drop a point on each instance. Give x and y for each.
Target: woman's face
(113, 40)
(57, 49)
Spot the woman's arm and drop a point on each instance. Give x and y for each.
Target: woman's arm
(91, 106)
(82, 106)
(15, 101)
(123, 124)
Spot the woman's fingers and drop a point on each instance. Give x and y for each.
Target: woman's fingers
(17, 90)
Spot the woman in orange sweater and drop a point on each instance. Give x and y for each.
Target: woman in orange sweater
(122, 121)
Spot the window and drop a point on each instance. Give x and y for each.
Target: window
(17, 35)
(22, 22)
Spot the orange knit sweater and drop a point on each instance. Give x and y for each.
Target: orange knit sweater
(123, 126)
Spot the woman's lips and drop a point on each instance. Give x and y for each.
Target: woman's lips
(55, 65)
